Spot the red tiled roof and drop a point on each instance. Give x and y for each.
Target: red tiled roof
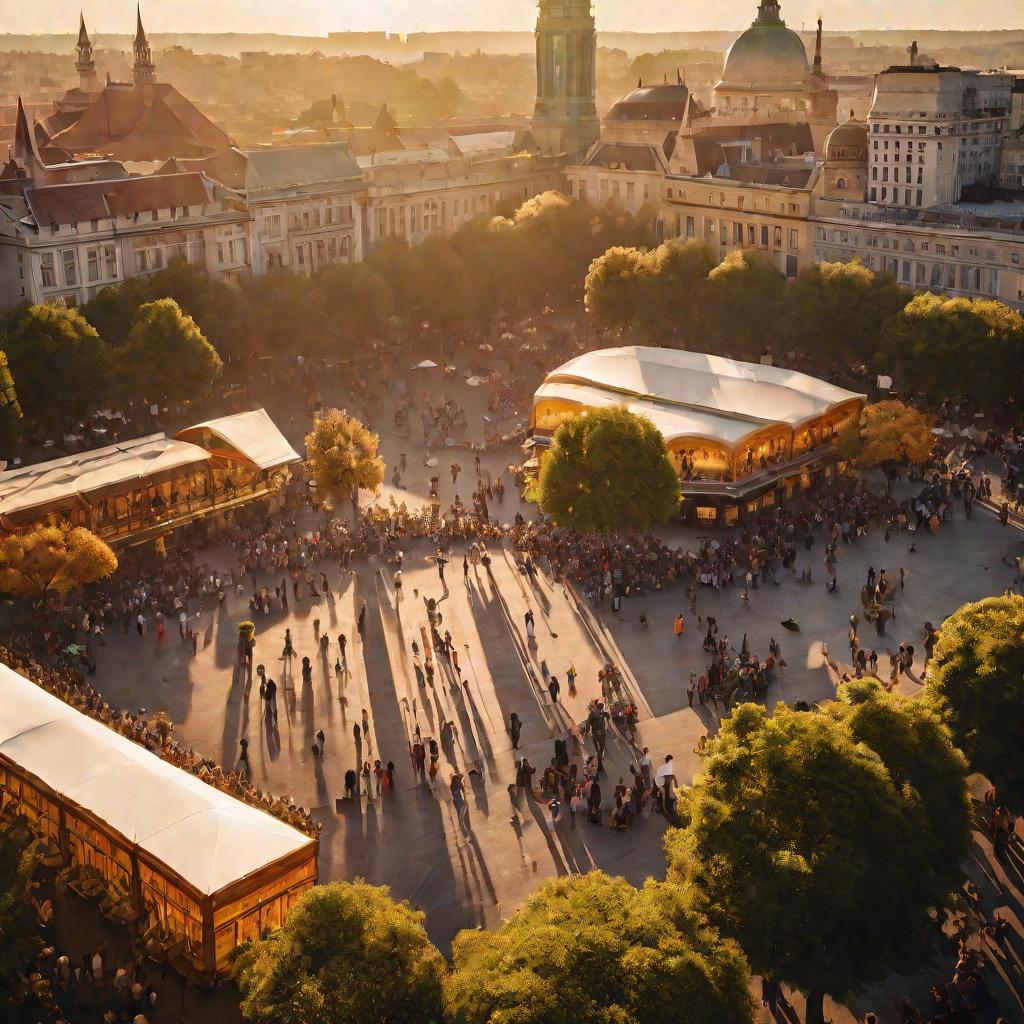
(142, 122)
(65, 204)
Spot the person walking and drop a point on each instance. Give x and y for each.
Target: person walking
(361, 623)
(441, 563)
(570, 678)
(554, 689)
(515, 728)
(269, 695)
(288, 651)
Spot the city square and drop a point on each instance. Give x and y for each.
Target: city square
(515, 525)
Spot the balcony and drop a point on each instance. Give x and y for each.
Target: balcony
(757, 481)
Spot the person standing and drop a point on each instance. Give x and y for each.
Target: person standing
(691, 688)
(515, 728)
(270, 696)
(361, 623)
(554, 689)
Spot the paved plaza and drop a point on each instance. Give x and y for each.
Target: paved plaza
(477, 870)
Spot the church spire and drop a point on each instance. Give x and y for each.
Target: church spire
(143, 70)
(84, 64)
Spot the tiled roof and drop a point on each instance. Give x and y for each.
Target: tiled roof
(142, 122)
(96, 200)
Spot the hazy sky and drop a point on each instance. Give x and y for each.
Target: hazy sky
(317, 17)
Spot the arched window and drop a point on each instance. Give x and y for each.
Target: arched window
(840, 183)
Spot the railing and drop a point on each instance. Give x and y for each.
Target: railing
(766, 474)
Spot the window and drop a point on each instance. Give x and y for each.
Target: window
(751, 235)
(777, 238)
(300, 256)
(764, 235)
(794, 238)
(110, 260)
(47, 270)
(1015, 257)
(737, 233)
(790, 266)
(920, 197)
(69, 258)
(689, 227)
(841, 183)
(92, 260)
(630, 189)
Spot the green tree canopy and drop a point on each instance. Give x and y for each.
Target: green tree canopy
(166, 357)
(618, 288)
(594, 950)
(357, 300)
(742, 304)
(347, 953)
(917, 749)
(840, 309)
(341, 454)
(607, 471)
(655, 293)
(57, 361)
(799, 844)
(886, 432)
(976, 681)
(19, 934)
(935, 337)
(10, 412)
(53, 558)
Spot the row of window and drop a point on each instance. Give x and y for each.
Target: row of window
(908, 245)
(100, 263)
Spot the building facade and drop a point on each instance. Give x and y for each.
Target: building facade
(934, 131)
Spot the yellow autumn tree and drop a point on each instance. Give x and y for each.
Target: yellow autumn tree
(886, 432)
(341, 456)
(37, 561)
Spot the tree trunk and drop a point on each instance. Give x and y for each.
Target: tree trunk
(355, 509)
(815, 1007)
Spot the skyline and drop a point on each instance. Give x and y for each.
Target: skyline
(318, 17)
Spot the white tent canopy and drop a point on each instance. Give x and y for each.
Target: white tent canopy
(713, 388)
(254, 434)
(206, 837)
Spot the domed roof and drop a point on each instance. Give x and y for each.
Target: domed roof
(848, 141)
(651, 103)
(767, 54)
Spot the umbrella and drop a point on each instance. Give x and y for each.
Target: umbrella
(432, 463)
(664, 771)
(792, 626)
(487, 348)
(508, 336)
(427, 364)
(475, 382)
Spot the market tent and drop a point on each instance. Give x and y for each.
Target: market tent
(728, 388)
(252, 435)
(73, 479)
(204, 836)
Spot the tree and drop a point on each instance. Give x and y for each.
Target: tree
(618, 287)
(840, 309)
(681, 272)
(166, 357)
(935, 337)
(57, 361)
(607, 471)
(342, 457)
(594, 950)
(799, 844)
(885, 433)
(10, 412)
(347, 952)
(19, 934)
(357, 300)
(976, 681)
(917, 749)
(742, 304)
(53, 558)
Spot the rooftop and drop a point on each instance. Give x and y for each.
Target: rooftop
(691, 394)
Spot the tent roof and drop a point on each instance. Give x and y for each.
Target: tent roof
(75, 476)
(728, 392)
(206, 837)
(254, 434)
